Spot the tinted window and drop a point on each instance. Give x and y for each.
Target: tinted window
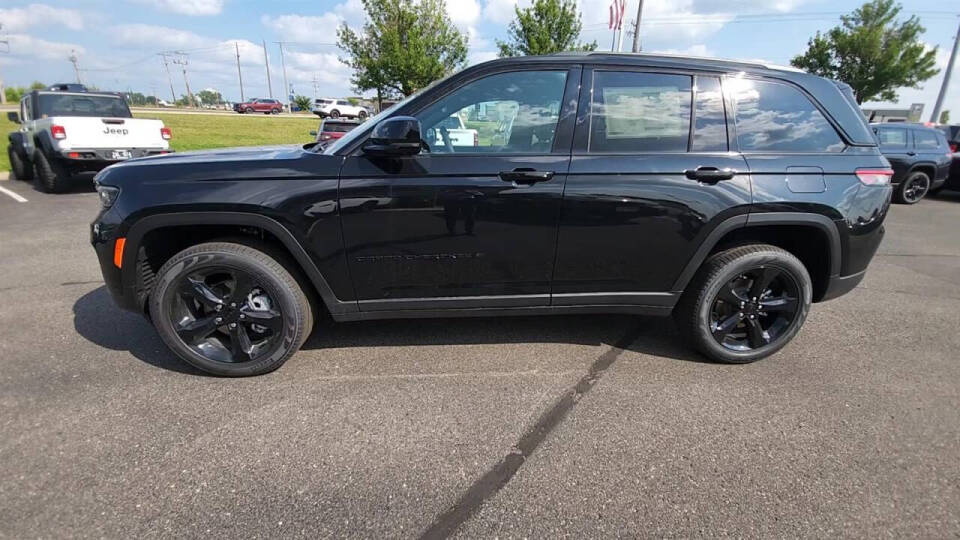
(82, 105)
(774, 117)
(639, 112)
(926, 140)
(508, 112)
(892, 137)
(337, 127)
(710, 125)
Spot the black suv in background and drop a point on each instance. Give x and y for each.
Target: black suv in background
(952, 133)
(731, 195)
(920, 157)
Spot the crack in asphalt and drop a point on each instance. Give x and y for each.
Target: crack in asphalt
(500, 474)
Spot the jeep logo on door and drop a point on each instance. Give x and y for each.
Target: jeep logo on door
(114, 131)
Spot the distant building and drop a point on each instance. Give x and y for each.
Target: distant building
(912, 114)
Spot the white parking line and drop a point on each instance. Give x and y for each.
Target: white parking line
(14, 196)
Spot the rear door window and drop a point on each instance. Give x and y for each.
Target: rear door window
(640, 112)
(776, 117)
(892, 137)
(925, 140)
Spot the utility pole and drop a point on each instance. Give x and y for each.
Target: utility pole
(3, 91)
(182, 62)
(935, 117)
(316, 85)
(76, 65)
(166, 65)
(636, 30)
(286, 87)
(239, 74)
(266, 60)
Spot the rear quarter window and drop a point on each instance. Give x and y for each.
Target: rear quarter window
(776, 117)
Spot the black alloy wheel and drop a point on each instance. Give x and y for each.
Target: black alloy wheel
(224, 315)
(334, 114)
(915, 187)
(230, 308)
(755, 308)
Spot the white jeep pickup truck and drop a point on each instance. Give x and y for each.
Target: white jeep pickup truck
(63, 133)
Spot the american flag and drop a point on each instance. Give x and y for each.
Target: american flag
(616, 14)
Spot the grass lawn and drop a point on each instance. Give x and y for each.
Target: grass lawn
(199, 131)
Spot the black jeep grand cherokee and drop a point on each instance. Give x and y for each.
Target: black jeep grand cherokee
(730, 195)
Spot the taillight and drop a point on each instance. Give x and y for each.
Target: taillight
(166, 133)
(58, 132)
(953, 147)
(476, 139)
(875, 177)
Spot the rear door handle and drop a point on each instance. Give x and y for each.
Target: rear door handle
(709, 175)
(525, 176)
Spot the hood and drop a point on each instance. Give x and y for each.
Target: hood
(225, 164)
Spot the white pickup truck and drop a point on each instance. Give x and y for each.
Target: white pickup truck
(63, 133)
(455, 129)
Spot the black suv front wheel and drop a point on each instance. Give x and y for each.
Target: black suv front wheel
(230, 309)
(745, 303)
(913, 188)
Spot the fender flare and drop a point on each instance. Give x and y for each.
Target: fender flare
(16, 142)
(144, 225)
(44, 144)
(920, 164)
(818, 221)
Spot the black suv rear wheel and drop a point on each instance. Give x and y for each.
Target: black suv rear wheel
(230, 309)
(913, 188)
(745, 303)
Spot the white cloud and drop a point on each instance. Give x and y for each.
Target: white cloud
(481, 56)
(20, 19)
(463, 12)
(158, 37)
(23, 45)
(304, 28)
(693, 50)
(502, 11)
(186, 7)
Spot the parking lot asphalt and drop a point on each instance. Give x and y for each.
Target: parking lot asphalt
(599, 426)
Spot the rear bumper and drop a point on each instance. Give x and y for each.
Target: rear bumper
(95, 159)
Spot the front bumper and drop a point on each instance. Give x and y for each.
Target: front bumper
(841, 285)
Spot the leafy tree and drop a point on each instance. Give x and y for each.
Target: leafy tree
(404, 46)
(872, 51)
(302, 102)
(548, 26)
(209, 97)
(37, 85)
(945, 117)
(15, 93)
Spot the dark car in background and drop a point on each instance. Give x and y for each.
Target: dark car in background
(920, 157)
(333, 128)
(730, 195)
(266, 106)
(952, 133)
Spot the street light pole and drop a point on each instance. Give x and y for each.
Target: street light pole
(935, 117)
(286, 87)
(236, 46)
(266, 60)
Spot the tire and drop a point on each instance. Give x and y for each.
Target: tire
(21, 170)
(286, 307)
(276, 111)
(697, 316)
(48, 176)
(913, 188)
(362, 115)
(334, 114)
(248, 110)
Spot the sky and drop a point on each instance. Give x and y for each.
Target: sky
(117, 42)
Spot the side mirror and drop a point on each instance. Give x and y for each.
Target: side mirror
(396, 136)
(13, 116)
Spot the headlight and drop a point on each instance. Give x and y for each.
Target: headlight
(108, 195)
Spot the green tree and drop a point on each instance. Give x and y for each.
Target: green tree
(37, 85)
(546, 27)
(872, 51)
(945, 117)
(209, 97)
(404, 46)
(302, 102)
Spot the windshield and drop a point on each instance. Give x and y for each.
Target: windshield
(83, 105)
(348, 139)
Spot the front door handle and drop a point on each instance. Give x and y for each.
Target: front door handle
(525, 176)
(709, 175)
(911, 153)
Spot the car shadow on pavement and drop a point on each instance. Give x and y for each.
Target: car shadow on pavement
(97, 319)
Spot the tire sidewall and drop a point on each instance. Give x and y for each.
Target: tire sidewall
(792, 267)
(161, 302)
